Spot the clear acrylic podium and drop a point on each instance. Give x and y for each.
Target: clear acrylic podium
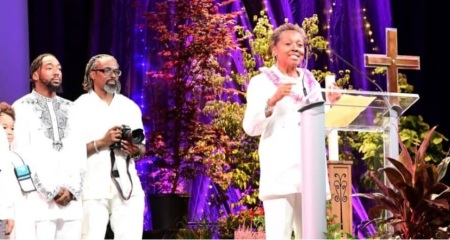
(372, 117)
(360, 111)
(367, 111)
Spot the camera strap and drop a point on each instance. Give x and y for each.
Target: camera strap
(116, 176)
(23, 174)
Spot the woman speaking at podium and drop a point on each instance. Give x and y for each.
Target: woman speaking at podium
(274, 97)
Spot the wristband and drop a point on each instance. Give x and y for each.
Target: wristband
(269, 109)
(95, 146)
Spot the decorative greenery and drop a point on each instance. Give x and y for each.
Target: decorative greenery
(202, 230)
(334, 230)
(419, 204)
(244, 220)
(197, 109)
(192, 35)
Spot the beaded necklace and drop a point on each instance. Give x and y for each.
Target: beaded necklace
(276, 80)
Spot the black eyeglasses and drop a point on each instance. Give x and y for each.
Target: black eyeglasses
(108, 71)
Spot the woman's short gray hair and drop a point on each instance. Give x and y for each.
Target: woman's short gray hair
(275, 37)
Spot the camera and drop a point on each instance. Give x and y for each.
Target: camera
(134, 136)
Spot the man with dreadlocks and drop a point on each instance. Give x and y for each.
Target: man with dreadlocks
(113, 190)
(46, 137)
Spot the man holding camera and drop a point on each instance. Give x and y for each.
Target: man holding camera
(114, 139)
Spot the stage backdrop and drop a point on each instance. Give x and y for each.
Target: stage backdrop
(75, 30)
(13, 50)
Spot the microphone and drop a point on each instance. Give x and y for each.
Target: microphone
(329, 50)
(387, 102)
(306, 58)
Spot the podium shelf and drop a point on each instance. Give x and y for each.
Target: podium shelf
(365, 110)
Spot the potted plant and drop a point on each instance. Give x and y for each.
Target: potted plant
(416, 201)
(191, 36)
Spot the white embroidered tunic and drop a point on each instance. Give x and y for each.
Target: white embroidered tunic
(47, 139)
(97, 118)
(280, 144)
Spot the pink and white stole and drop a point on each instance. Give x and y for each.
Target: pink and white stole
(275, 79)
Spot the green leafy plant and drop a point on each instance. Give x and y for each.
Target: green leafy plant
(191, 36)
(202, 230)
(417, 202)
(334, 230)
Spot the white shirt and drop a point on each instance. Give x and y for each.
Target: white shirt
(8, 181)
(47, 139)
(97, 118)
(280, 144)
(12, 201)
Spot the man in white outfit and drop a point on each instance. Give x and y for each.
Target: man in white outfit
(113, 190)
(46, 138)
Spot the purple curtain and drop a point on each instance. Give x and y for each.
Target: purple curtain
(13, 50)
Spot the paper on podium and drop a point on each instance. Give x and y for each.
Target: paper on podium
(346, 110)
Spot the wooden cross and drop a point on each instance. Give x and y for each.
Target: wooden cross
(392, 61)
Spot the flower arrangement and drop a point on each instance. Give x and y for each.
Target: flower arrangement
(245, 224)
(248, 233)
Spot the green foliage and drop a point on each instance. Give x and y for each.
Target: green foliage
(311, 27)
(195, 233)
(418, 203)
(191, 36)
(260, 42)
(413, 130)
(192, 97)
(201, 230)
(334, 230)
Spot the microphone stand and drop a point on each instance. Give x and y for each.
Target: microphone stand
(314, 171)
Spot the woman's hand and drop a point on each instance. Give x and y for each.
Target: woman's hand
(284, 89)
(333, 97)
